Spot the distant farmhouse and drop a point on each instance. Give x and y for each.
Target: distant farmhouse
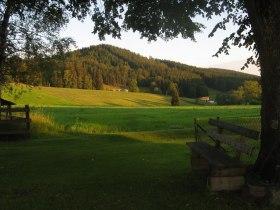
(203, 98)
(121, 90)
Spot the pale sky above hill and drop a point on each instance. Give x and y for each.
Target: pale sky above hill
(197, 53)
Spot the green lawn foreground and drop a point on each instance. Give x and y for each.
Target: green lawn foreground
(112, 158)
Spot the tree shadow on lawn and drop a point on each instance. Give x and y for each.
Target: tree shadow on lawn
(108, 171)
(143, 102)
(158, 176)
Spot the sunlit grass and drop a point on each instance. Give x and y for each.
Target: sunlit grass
(44, 125)
(84, 128)
(78, 97)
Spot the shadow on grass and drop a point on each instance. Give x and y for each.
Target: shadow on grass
(146, 103)
(105, 171)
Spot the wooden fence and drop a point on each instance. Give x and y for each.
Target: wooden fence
(15, 124)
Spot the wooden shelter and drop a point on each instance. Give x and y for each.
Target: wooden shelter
(8, 105)
(14, 120)
(6, 102)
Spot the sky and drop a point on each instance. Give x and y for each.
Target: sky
(199, 53)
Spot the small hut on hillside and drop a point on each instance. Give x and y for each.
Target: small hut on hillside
(11, 125)
(8, 105)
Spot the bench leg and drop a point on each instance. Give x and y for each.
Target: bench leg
(225, 172)
(199, 164)
(234, 183)
(229, 179)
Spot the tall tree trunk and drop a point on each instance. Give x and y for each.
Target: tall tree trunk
(265, 19)
(4, 24)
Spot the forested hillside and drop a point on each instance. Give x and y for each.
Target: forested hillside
(92, 67)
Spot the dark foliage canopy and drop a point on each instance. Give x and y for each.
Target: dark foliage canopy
(32, 26)
(171, 19)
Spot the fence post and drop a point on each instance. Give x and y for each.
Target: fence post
(9, 112)
(27, 116)
(220, 131)
(195, 129)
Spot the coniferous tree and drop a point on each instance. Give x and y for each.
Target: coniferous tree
(132, 85)
(175, 101)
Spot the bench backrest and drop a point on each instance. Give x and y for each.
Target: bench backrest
(235, 129)
(239, 145)
(219, 138)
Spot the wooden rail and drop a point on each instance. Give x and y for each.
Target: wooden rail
(7, 120)
(16, 109)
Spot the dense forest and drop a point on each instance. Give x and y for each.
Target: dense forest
(92, 67)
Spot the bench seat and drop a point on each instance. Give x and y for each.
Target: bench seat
(215, 157)
(224, 169)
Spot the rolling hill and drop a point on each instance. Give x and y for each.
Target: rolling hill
(96, 66)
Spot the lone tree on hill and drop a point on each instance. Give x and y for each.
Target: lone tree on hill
(26, 25)
(175, 100)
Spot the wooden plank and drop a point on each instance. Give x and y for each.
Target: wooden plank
(226, 183)
(200, 165)
(232, 142)
(257, 191)
(27, 116)
(15, 121)
(239, 171)
(25, 109)
(235, 128)
(214, 156)
(17, 132)
(197, 137)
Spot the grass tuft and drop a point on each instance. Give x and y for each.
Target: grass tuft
(85, 128)
(44, 125)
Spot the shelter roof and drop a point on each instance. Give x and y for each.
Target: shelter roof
(6, 102)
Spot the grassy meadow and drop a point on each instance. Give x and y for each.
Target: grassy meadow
(76, 97)
(112, 156)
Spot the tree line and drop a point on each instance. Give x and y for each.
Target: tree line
(92, 67)
(249, 93)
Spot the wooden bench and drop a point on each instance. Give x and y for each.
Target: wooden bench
(225, 170)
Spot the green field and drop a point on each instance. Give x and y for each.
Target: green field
(88, 157)
(78, 97)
